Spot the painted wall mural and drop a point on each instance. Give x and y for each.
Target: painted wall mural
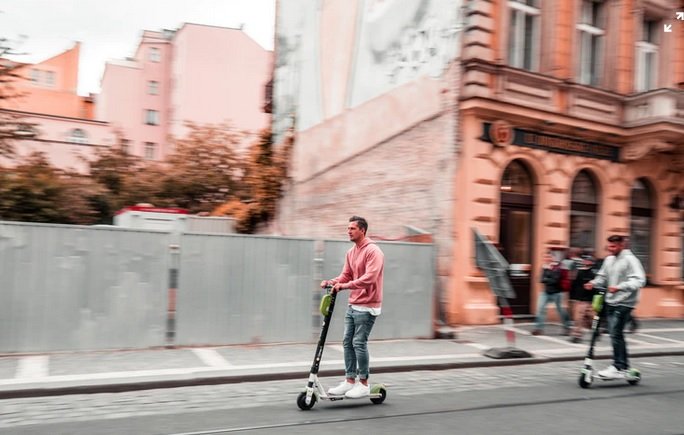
(393, 43)
(401, 40)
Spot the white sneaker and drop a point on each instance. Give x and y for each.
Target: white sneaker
(358, 391)
(341, 389)
(611, 372)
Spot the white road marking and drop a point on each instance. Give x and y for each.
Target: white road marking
(478, 346)
(337, 347)
(655, 337)
(211, 357)
(31, 367)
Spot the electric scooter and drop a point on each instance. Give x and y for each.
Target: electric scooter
(633, 376)
(314, 388)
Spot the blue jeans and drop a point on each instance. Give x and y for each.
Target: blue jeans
(357, 328)
(617, 317)
(556, 298)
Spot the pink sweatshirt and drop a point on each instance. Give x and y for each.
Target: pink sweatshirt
(363, 270)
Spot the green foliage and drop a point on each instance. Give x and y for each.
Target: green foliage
(35, 191)
(264, 174)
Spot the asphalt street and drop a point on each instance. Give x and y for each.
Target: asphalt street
(522, 399)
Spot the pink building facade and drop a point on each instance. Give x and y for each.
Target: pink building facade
(491, 117)
(64, 128)
(68, 143)
(200, 74)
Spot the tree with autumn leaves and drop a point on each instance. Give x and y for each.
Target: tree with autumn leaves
(207, 172)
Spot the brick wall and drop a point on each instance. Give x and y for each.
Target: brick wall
(405, 180)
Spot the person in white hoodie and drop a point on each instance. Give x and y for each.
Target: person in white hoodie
(623, 276)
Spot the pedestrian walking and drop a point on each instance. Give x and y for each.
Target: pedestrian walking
(582, 311)
(551, 277)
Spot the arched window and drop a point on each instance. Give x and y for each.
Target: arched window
(641, 222)
(78, 135)
(583, 212)
(516, 179)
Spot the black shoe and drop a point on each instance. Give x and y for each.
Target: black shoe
(575, 340)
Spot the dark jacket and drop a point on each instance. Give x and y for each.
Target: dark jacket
(551, 279)
(577, 292)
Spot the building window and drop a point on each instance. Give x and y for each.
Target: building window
(516, 179)
(591, 31)
(523, 34)
(150, 150)
(49, 78)
(641, 222)
(152, 117)
(154, 55)
(153, 87)
(78, 135)
(35, 75)
(583, 212)
(647, 56)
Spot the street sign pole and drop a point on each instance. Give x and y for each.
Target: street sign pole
(495, 267)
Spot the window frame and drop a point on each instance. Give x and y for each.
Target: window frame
(150, 150)
(80, 139)
(154, 54)
(591, 45)
(517, 35)
(644, 79)
(647, 213)
(585, 209)
(152, 87)
(152, 117)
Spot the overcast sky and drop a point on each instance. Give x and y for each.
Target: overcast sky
(111, 29)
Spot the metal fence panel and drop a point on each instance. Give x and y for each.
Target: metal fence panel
(68, 287)
(71, 287)
(244, 289)
(407, 307)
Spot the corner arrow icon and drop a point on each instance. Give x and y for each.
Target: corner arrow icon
(668, 27)
(680, 15)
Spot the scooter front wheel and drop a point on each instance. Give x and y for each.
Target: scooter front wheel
(301, 401)
(582, 381)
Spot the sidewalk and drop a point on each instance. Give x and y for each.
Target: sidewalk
(112, 371)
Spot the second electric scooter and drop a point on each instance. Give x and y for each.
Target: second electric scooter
(314, 388)
(587, 375)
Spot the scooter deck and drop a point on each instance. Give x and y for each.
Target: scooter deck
(621, 378)
(342, 396)
(372, 395)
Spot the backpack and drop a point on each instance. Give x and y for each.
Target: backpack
(565, 281)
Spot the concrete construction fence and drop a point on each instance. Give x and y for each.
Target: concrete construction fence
(65, 287)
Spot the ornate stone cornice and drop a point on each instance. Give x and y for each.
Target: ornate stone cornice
(639, 150)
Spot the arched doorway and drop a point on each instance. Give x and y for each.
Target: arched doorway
(515, 231)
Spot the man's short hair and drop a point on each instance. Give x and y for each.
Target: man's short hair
(616, 239)
(361, 222)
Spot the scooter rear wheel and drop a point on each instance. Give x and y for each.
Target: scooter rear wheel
(383, 396)
(301, 401)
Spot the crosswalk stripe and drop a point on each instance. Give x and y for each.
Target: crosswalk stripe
(35, 366)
